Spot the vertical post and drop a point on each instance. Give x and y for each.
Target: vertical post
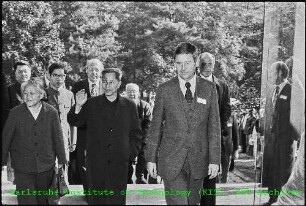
(270, 55)
(297, 116)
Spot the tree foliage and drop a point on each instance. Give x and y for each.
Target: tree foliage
(140, 37)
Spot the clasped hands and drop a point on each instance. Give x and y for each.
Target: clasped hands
(212, 170)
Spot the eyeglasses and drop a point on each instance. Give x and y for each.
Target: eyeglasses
(59, 76)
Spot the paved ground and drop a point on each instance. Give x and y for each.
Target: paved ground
(238, 191)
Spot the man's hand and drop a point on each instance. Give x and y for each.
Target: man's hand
(80, 99)
(151, 167)
(72, 147)
(213, 170)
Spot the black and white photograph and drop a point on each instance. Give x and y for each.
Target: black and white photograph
(153, 103)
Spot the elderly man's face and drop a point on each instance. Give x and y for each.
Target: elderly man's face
(132, 93)
(207, 65)
(23, 73)
(94, 72)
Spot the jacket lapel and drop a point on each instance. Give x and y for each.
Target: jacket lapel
(86, 87)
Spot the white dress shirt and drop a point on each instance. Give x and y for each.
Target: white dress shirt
(96, 89)
(192, 83)
(35, 112)
(210, 78)
(281, 86)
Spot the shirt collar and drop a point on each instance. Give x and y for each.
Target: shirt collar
(58, 89)
(281, 85)
(90, 82)
(209, 78)
(191, 81)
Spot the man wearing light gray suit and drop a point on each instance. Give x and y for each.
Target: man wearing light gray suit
(190, 148)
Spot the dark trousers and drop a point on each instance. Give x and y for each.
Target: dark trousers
(81, 165)
(225, 163)
(36, 181)
(184, 181)
(209, 184)
(243, 141)
(141, 171)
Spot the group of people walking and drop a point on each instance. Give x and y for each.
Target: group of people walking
(190, 133)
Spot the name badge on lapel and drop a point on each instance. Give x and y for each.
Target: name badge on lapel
(201, 101)
(283, 97)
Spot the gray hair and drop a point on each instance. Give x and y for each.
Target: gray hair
(34, 82)
(133, 85)
(206, 54)
(95, 62)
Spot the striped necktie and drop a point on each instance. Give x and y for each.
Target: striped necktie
(93, 93)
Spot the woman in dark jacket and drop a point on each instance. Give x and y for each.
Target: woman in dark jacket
(33, 136)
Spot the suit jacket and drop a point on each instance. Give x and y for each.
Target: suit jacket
(112, 139)
(13, 98)
(81, 131)
(231, 140)
(223, 102)
(279, 147)
(145, 117)
(33, 144)
(62, 101)
(171, 150)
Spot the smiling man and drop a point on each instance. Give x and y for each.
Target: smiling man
(114, 137)
(190, 148)
(93, 87)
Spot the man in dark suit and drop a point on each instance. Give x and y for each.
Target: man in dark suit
(22, 74)
(14, 98)
(207, 65)
(145, 116)
(280, 146)
(190, 148)
(231, 148)
(114, 137)
(92, 87)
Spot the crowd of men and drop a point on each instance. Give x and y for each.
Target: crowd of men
(189, 140)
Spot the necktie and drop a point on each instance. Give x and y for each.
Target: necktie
(92, 93)
(275, 95)
(188, 95)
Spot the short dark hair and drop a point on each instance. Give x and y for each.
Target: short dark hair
(21, 63)
(54, 66)
(281, 66)
(186, 48)
(116, 71)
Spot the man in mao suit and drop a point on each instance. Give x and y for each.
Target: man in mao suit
(190, 148)
(279, 147)
(114, 138)
(207, 64)
(92, 87)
